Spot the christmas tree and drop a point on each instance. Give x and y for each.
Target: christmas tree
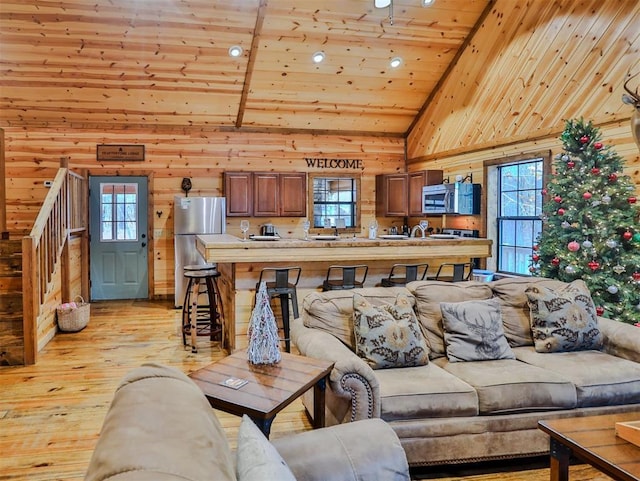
(591, 225)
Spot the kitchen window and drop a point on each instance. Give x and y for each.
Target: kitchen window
(514, 208)
(335, 201)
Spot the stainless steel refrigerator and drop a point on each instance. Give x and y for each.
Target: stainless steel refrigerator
(193, 216)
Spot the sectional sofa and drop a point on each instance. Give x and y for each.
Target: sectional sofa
(451, 407)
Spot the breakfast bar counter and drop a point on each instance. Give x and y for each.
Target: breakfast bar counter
(240, 262)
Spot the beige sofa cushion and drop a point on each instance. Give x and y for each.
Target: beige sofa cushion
(424, 392)
(600, 379)
(515, 307)
(332, 311)
(429, 295)
(256, 458)
(507, 386)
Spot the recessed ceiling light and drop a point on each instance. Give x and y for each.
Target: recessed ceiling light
(235, 51)
(426, 3)
(395, 62)
(318, 57)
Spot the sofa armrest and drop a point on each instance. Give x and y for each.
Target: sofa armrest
(351, 377)
(620, 339)
(367, 450)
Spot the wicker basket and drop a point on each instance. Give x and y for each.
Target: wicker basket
(73, 319)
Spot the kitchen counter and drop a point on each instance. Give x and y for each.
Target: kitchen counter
(240, 262)
(228, 248)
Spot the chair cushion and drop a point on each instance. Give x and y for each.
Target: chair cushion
(563, 319)
(424, 392)
(473, 331)
(256, 458)
(600, 378)
(515, 306)
(508, 386)
(332, 311)
(429, 295)
(389, 335)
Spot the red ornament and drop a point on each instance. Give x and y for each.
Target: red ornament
(535, 257)
(636, 276)
(584, 139)
(558, 199)
(573, 246)
(597, 145)
(587, 195)
(532, 269)
(555, 261)
(571, 164)
(595, 171)
(561, 211)
(599, 310)
(544, 192)
(594, 265)
(631, 200)
(613, 177)
(627, 236)
(536, 247)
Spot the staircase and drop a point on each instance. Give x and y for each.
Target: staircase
(11, 328)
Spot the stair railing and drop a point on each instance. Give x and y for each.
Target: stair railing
(63, 212)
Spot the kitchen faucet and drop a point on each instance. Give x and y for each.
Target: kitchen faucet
(417, 228)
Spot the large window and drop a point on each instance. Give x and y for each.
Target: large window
(515, 203)
(335, 202)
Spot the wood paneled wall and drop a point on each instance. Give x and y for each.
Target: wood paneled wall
(32, 156)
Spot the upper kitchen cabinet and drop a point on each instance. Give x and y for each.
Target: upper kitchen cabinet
(238, 189)
(293, 194)
(392, 195)
(266, 194)
(400, 195)
(417, 180)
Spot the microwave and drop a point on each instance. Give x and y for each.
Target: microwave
(457, 198)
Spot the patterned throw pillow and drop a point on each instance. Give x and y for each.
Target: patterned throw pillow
(388, 335)
(473, 331)
(563, 319)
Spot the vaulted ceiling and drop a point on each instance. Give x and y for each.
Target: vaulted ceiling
(165, 63)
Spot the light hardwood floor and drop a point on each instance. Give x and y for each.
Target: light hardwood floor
(51, 413)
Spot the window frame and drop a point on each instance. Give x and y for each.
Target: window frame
(355, 202)
(492, 200)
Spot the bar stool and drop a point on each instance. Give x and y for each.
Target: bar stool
(280, 283)
(350, 277)
(203, 320)
(453, 272)
(411, 273)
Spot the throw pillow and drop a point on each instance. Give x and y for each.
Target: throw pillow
(256, 458)
(563, 319)
(473, 331)
(388, 335)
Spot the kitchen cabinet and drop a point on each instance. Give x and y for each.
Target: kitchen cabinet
(400, 195)
(417, 180)
(266, 194)
(238, 190)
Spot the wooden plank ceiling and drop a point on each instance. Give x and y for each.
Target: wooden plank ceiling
(165, 64)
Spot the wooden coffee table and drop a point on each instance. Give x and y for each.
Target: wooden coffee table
(269, 388)
(592, 439)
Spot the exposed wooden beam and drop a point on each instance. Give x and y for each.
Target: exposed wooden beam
(257, 31)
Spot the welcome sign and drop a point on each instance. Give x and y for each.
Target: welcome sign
(325, 163)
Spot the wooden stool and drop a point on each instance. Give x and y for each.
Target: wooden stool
(411, 273)
(282, 285)
(206, 321)
(351, 277)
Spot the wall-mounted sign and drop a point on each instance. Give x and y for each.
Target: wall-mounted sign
(324, 163)
(120, 152)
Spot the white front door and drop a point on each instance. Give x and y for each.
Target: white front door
(118, 237)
